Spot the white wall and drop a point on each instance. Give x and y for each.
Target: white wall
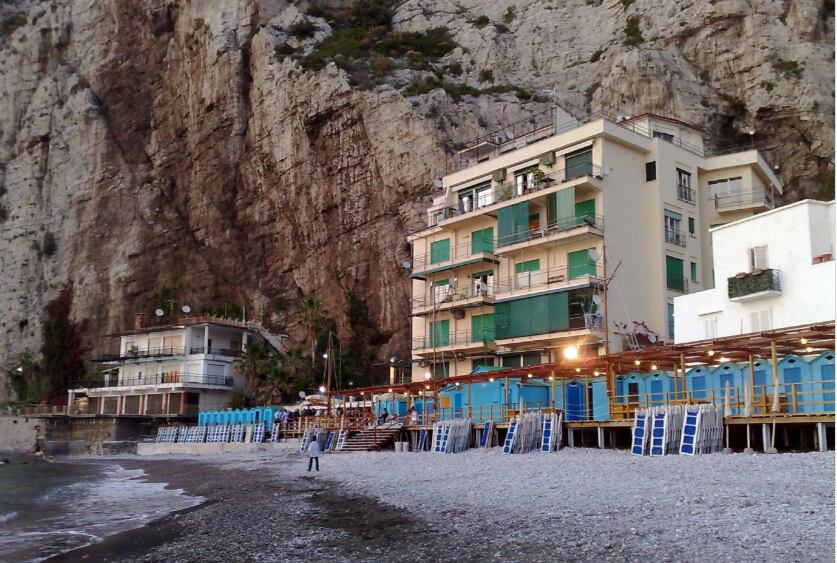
(794, 235)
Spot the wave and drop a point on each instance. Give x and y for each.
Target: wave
(8, 516)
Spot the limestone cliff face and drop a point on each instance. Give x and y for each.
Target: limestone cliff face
(169, 150)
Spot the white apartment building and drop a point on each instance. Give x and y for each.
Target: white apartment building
(172, 369)
(774, 270)
(531, 221)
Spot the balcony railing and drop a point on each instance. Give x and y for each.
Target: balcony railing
(677, 283)
(509, 191)
(685, 193)
(745, 198)
(563, 225)
(217, 351)
(756, 281)
(449, 295)
(673, 236)
(455, 253)
(460, 338)
(546, 277)
(155, 379)
(153, 352)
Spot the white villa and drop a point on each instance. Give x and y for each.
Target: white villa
(773, 270)
(174, 369)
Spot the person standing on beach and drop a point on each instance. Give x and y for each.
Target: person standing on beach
(314, 454)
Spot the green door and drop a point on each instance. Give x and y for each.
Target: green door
(440, 251)
(579, 264)
(482, 240)
(585, 209)
(513, 223)
(440, 333)
(674, 274)
(579, 163)
(482, 328)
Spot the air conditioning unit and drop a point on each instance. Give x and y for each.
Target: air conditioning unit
(548, 158)
(500, 175)
(458, 314)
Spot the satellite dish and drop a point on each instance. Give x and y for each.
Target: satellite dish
(406, 264)
(593, 255)
(302, 394)
(652, 338)
(186, 309)
(509, 134)
(159, 312)
(437, 183)
(597, 300)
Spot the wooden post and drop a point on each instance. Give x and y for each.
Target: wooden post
(552, 376)
(774, 408)
(588, 408)
(683, 374)
(794, 398)
(469, 398)
(507, 397)
(752, 364)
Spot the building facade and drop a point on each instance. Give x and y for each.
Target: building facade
(171, 370)
(520, 240)
(772, 271)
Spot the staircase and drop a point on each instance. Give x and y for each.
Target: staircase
(371, 439)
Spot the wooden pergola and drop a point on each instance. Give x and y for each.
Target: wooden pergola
(800, 340)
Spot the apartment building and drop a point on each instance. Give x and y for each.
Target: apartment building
(772, 271)
(525, 231)
(172, 369)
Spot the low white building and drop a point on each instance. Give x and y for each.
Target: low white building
(772, 270)
(173, 369)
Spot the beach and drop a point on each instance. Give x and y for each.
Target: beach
(578, 504)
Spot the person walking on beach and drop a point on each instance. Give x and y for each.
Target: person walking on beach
(314, 454)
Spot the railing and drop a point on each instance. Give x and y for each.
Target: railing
(677, 283)
(673, 236)
(458, 252)
(509, 191)
(542, 278)
(217, 351)
(32, 410)
(563, 225)
(155, 379)
(744, 198)
(459, 338)
(754, 282)
(153, 352)
(685, 193)
(449, 295)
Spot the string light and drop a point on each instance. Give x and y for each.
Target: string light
(653, 367)
(427, 375)
(596, 373)
(803, 341)
(637, 362)
(809, 349)
(390, 389)
(711, 352)
(322, 389)
(578, 370)
(551, 378)
(529, 376)
(491, 379)
(427, 386)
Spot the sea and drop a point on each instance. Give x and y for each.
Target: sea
(47, 509)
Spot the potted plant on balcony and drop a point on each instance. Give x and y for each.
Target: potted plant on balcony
(637, 335)
(504, 192)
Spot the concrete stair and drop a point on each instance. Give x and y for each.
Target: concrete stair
(371, 439)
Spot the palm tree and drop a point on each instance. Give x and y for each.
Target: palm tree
(253, 363)
(312, 317)
(286, 377)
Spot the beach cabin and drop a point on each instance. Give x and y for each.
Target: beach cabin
(728, 373)
(762, 381)
(631, 390)
(660, 388)
(697, 383)
(575, 406)
(797, 387)
(822, 375)
(487, 399)
(598, 394)
(394, 403)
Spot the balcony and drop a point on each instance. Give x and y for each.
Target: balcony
(508, 192)
(134, 354)
(758, 284)
(685, 193)
(673, 236)
(457, 256)
(444, 298)
(745, 199)
(216, 351)
(562, 229)
(577, 325)
(168, 378)
(560, 277)
(677, 283)
(464, 341)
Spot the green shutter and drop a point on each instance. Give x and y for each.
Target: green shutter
(482, 327)
(565, 208)
(579, 164)
(528, 266)
(513, 223)
(586, 209)
(673, 215)
(674, 274)
(532, 315)
(441, 370)
(579, 264)
(511, 361)
(559, 311)
(440, 251)
(441, 283)
(551, 209)
(502, 319)
(691, 225)
(482, 240)
(693, 271)
(440, 333)
(483, 273)
(531, 359)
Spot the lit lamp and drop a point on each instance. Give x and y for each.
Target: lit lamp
(637, 362)
(529, 376)
(570, 353)
(653, 367)
(322, 389)
(427, 375)
(711, 352)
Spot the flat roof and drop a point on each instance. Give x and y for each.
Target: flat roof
(771, 212)
(183, 322)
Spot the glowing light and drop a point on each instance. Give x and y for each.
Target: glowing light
(571, 353)
(427, 375)
(490, 379)
(390, 389)
(596, 373)
(325, 356)
(578, 370)
(809, 349)
(653, 366)
(529, 376)
(723, 359)
(322, 389)
(427, 386)
(363, 392)
(458, 384)
(711, 352)
(637, 362)
(421, 393)
(803, 341)
(551, 378)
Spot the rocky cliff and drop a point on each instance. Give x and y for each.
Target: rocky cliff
(220, 152)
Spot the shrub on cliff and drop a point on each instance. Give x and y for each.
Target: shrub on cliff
(62, 348)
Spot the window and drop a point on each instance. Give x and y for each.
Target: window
(482, 328)
(585, 212)
(440, 333)
(684, 186)
(727, 191)
(524, 273)
(672, 228)
(693, 271)
(524, 181)
(579, 163)
(670, 312)
(710, 326)
(758, 258)
(692, 226)
(513, 223)
(674, 274)
(579, 264)
(511, 361)
(540, 314)
(475, 197)
(477, 362)
(440, 251)
(664, 136)
(482, 240)
(483, 282)
(441, 370)
(761, 320)
(484, 195)
(531, 358)
(441, 290)
(650, 171)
